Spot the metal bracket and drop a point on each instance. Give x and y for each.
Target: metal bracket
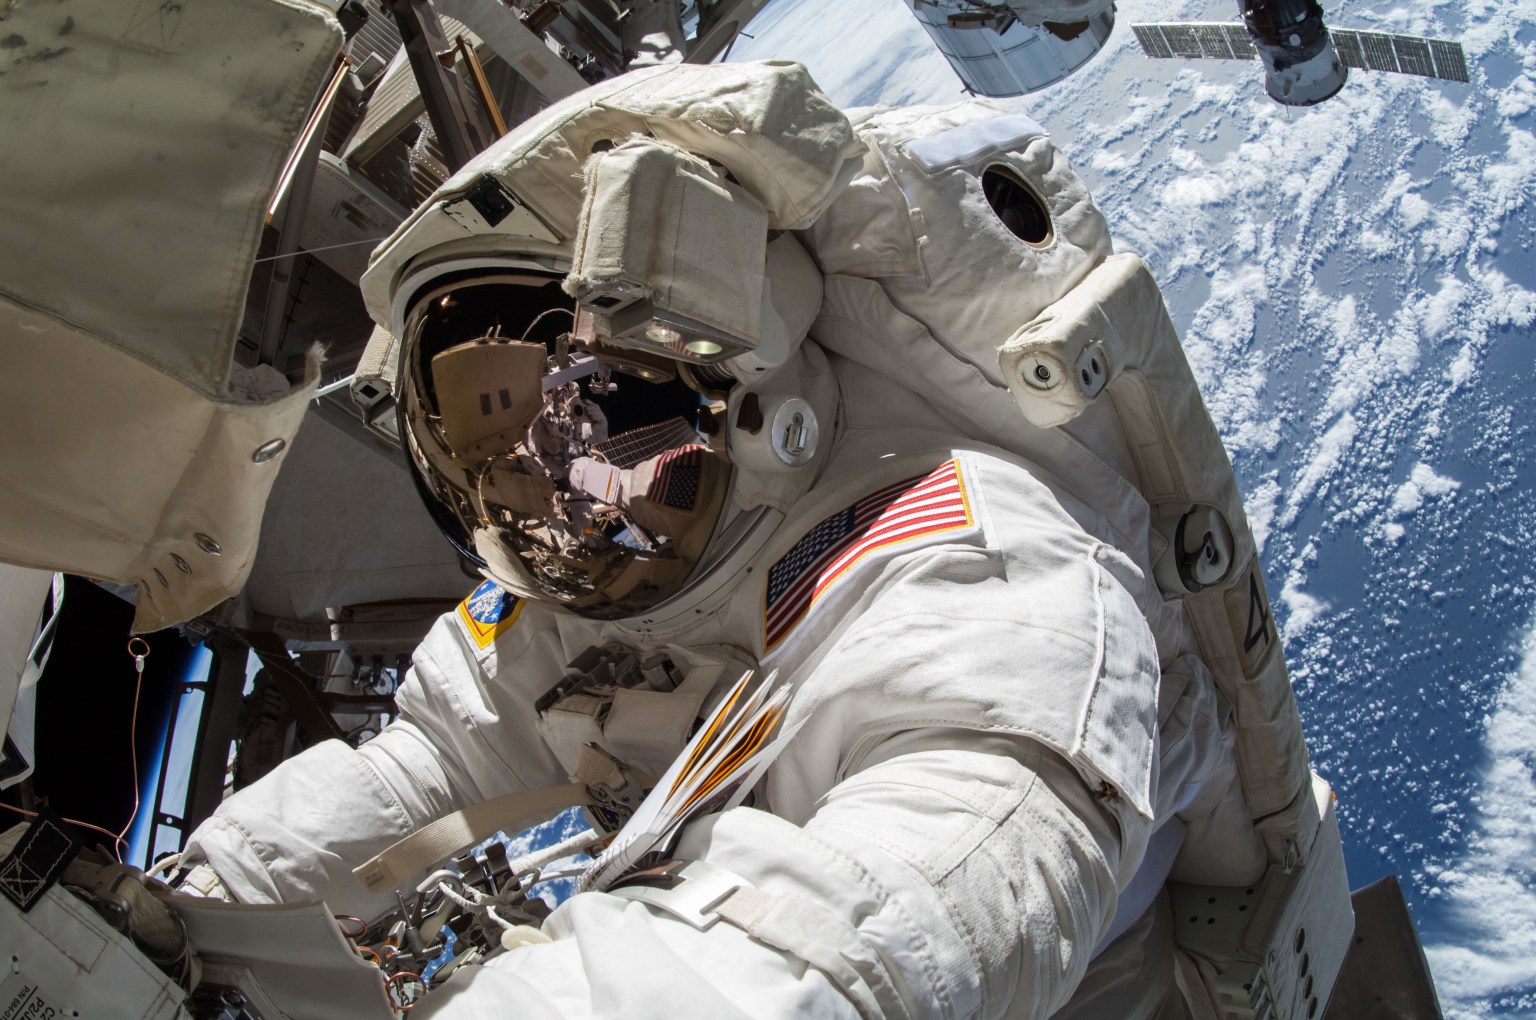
(461, 130)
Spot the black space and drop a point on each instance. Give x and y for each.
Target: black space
(85, 703)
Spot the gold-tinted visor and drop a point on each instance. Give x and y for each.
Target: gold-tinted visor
(570, 471)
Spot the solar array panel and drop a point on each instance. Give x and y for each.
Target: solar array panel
(1450, 64)
(1195, 40)
(1182, 40)
(1405, 54)
(630, 448)
(1413, 56)
(1374, 51)
(1151, 39)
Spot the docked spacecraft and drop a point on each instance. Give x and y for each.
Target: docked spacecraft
(1012, 48)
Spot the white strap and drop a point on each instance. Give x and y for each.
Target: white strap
(451, 833)
(702, 893)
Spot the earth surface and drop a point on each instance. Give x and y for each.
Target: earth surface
(1354, 284)
(1356, 291)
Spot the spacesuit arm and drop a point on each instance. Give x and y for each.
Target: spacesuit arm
(296, 834)
(938, 882)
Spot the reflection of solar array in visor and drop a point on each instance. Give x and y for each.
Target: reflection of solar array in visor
(630, 448)
(1374, 51)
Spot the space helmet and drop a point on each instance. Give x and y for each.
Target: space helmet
(601, 379)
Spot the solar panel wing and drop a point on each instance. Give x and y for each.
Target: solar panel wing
(1379, 55)
(1241, 42)
(1450, 63)
(1203, 40)
(1213, 42)
(1347, 44)
(1406, 54)
(1151, 39)
(1182, 41)
(1375, 51)
(1413, 55)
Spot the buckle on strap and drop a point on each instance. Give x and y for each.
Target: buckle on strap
(700, 894)
(691, 891)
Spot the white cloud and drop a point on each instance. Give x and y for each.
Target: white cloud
(1464, 367)
(1422, 481)
(1519, 98)
(1204, 189)
(1301, 609)
(1509, 183)
(1412, 209)
(1443, 308)
(1260, 507)
(1327, 457)
(1508, 303)
(1449, 122)
(1492, 889)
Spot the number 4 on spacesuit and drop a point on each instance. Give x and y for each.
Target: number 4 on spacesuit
(1258, 615)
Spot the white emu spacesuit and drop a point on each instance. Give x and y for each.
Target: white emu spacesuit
(746, 447)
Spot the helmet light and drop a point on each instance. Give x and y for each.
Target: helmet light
(623, 316)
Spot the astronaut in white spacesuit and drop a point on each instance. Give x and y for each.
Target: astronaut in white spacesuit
(989, 751)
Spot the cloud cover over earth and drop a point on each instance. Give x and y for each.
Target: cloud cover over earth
(1356, 291)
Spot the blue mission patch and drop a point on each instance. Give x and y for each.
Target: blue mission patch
(488, 611)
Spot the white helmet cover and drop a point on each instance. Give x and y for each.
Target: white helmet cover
(568, 466)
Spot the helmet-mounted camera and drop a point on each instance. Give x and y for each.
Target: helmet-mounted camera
(669, 254)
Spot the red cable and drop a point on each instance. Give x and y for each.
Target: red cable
(71, 821)
(118, 842)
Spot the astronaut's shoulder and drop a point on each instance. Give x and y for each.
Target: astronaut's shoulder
(944, 485)
(486, 614)
(853, 527)
(891, 500)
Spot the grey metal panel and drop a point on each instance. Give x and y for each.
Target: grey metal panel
(347, 215)
(1151, 39)
(397, 100)
(1379, 55)
(1385, 975)
(1213, 42)
(1018, 60)
(991, 76)
(1450, 63)
(322, 545)
(498, 27)
(1413, 55)
(378, 36)
(394, 104)
(517, 98)
(1347, 45)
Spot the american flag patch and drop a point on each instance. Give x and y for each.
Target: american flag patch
(909, 509)
(676, 483)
